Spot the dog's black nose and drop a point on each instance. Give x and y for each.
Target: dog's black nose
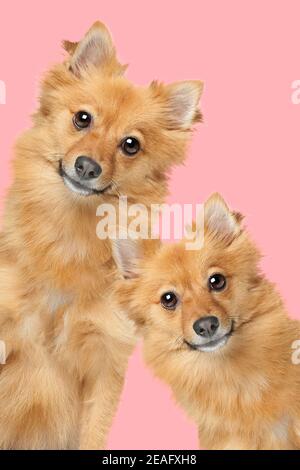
(87, 169)
(206, 326)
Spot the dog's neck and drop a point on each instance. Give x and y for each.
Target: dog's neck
(52, 230)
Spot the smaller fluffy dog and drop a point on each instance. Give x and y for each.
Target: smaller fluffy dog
(217, 332)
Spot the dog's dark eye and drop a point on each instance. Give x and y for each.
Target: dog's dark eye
(82, 120)
(130, 146)
(217, 282)
(169, 300)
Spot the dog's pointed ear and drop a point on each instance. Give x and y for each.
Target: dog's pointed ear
(95, 49)
(127, 254)
(69, 46)
(180, 102)
(220, 220)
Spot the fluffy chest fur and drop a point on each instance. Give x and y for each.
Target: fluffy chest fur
(246, 409)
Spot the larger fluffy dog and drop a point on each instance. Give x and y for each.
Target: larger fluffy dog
(95, 136)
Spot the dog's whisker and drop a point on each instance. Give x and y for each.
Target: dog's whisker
(116, 188)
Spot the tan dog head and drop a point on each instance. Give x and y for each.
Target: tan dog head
(100, 133)
(193, 300)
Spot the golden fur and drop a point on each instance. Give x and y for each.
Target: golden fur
(67, 344)
(246, 394)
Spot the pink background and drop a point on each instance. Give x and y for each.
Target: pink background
(248, 148)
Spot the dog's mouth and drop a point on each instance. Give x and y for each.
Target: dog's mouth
(212, 345)
(77, 187)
